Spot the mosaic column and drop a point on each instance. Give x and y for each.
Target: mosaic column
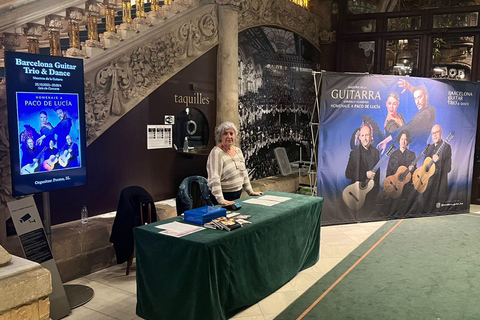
(140, 21)
(9, 42)
(110, 38)
(74, 17)
(155, 5)
(126, 30)
(227, 64)
(33, 32)
(53, 23)
(92, 45)
(157, 13)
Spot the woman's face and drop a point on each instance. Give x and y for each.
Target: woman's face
(228, 137)
(392, 105)
(43, 118)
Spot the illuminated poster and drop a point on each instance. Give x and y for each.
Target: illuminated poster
(395, 147)
(45, 98)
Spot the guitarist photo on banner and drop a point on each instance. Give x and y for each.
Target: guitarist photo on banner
(387, 148)
(54, 146)
(431, 178)
(398, 186)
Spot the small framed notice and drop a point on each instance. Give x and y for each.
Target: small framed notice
(169, 119)
(159, 136)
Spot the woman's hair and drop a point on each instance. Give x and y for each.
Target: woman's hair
(394, 95)
(44, 113)
(219, 131)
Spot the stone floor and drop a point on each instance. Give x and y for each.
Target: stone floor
(115, 296)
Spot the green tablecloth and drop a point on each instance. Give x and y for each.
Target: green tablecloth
(213, 274)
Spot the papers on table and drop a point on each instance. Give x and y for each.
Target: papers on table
(178, 229)
(267, 200)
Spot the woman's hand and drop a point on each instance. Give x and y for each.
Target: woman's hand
(256, 193)
(226, 203)
(405, 85)
(383, 145)
(40, 140)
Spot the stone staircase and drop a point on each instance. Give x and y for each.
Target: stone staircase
(124, 65)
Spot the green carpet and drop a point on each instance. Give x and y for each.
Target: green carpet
(426, 268)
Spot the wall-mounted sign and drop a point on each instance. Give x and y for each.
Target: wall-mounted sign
(159, 136)
(170, 119)
(197, 98)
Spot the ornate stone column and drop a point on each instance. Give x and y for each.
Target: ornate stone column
(92, 45)
(74, 17)
(110, 38)
(54, 26)
(227, 62)
(157, 13)
(33, 31)
(126, 30)
(155, 6)
(110, 15)
(10, 41)
(140, 21)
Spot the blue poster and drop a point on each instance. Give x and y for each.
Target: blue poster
(395, 147)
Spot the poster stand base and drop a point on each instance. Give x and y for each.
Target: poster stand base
(78, 294)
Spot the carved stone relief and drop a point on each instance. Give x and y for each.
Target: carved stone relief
(280, 13)
(119, 86)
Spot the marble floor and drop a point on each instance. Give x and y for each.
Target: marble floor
(115, 293)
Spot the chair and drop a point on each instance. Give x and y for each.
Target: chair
(135, 208)
(193, 193)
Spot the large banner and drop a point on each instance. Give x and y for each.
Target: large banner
(395, 147)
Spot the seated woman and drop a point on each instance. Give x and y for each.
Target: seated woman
(227, 174)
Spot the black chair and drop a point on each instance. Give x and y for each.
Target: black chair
(135, 208)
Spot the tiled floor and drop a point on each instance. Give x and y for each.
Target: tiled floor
(115, 296)
(115, 293)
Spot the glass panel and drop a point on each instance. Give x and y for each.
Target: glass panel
(362, 6)
(452, 58)
(404, 23)
(401, 57)
(406, 5)
(359, 56)
(360, 26)
(455, 20)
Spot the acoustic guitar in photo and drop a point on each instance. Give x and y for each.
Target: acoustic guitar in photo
(32, 167)
(423, 174)
(393, 185)
(354, 195)
(64, 159)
